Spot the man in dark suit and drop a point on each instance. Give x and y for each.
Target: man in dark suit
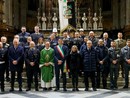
(16, 55)
(35, 36)
(61, 53)
(107, 40)
(32, 65)
(89, 56)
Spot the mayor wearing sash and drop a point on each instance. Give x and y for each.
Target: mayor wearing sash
(61, 53)
(46, 65)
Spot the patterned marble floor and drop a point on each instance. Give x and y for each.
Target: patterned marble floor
(100, 93)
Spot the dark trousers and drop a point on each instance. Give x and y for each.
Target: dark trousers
(2, 70)
(7, 70)
(59, 68)
(90, 74)
(74, 74)
(114, 76)
(127, 69)
(19, 78)
(101, 73)
(30, 73)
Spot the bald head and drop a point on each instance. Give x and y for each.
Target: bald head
(89, 43)
(91, 34)
(15, 42)
(100, 42)
(32, 44)
(105, 35)
(3, 39)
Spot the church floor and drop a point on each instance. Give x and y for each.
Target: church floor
(100, 93)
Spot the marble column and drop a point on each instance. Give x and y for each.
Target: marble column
(122, 13)
(16, 13)
(127, 12)
(115, 14)
(23, 12)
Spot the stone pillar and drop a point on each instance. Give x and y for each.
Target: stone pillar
(127, 12)
(122, 13)
(23, 12)
(16, 13)
(115, 14)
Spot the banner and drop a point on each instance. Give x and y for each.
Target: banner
(67, 13)
(62, 12)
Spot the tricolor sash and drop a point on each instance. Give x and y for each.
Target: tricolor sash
(60, 50)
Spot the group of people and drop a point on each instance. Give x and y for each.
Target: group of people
(56, 56)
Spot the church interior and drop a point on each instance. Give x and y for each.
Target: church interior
(114, 15)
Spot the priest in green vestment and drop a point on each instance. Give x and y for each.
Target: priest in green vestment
(46, 65)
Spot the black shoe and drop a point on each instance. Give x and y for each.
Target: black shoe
(77, 89)
(49, 89)
(56, 89)
(112, 87)
(36, 89)
(125, 87)
(20, 89)
(94, 89)
(2, 90)
(28, 89)
(11, 90)
(8, 79)
(73, 89)
(86, 89)
(44, 89)
(64, 89)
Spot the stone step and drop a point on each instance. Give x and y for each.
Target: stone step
(120, 83)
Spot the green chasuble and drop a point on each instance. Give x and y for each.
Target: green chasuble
(47, 72)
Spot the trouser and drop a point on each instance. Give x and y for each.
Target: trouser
(90, 74)
(74, 74)
(30, 73)
(127, 69)
(7, 70)
(103, 74)
(2, 71)
(19, 78)
(122, 68)
(114, 76)
(57, 73)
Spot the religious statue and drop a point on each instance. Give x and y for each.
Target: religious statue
(55, 19)
(44, 19)
(95, 19)
(84, 18)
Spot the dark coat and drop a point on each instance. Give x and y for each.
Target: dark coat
(74, 60)
(40, 47)
(102, 53)
(58, 56)
(3, 57)
(18, 55)
(108, 43)
(114, 54)
(35, 37)
(89, 59)
(23, 37)
(125, 54)
(32, 55)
